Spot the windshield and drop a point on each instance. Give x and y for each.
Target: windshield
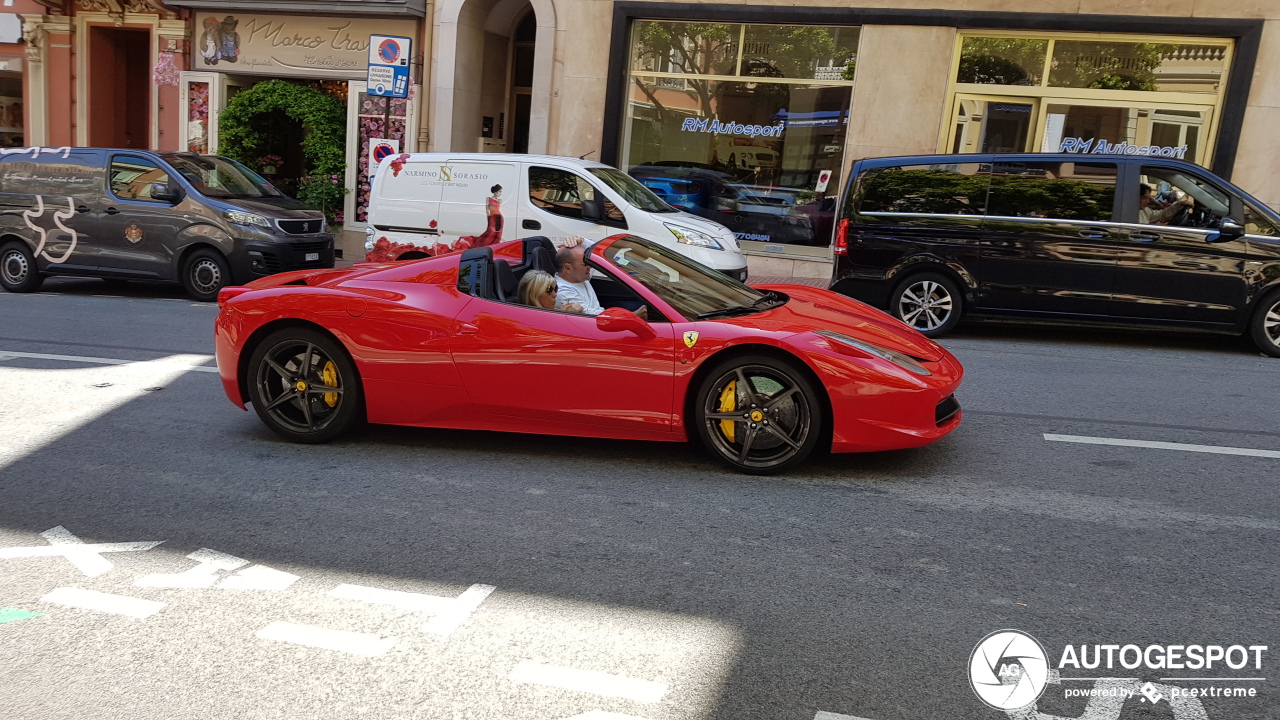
(218, 177)
(641, 197)
(693, 289)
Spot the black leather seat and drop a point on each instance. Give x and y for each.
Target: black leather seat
(505, 281)
(540, 254)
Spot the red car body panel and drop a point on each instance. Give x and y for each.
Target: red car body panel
(429, 355)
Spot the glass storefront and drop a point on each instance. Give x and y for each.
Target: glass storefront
(1093, 94)
(743, 124)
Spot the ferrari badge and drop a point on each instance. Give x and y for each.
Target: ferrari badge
(691, 338)
(133, 233)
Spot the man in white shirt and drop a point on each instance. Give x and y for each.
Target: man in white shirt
(573, 284)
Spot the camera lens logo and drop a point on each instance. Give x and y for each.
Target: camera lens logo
(1008, 669)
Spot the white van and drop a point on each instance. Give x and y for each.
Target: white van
(425, 204)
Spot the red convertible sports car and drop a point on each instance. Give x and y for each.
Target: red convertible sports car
(761, 376)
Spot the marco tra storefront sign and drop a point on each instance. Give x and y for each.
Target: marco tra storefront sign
(288, 46)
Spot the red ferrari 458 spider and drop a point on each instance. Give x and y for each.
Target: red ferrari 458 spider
(761, 375)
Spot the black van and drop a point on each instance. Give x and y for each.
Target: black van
(1077, 237)
(204, 220)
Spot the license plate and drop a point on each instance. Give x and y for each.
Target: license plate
(312, 256)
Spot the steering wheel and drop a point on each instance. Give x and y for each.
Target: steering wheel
(1196, 215)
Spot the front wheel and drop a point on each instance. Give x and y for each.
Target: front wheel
(303, 386)
(758, 414)
(204, 274)
(18, 269)
(928, 302)
(1264, 327)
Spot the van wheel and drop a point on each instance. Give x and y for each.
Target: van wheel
(928, 302)
(18, 269)
(204, 274)
(1265, 325)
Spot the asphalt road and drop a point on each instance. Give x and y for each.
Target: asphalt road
(406, 573)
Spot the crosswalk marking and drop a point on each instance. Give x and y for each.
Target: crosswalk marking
(87, 557)
(104, 602)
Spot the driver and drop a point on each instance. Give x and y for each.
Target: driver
(1149, 214)
(573, 277)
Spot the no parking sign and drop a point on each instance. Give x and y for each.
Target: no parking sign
(380, 149)
(389, 65)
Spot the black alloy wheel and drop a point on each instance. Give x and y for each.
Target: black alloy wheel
(304, 386)
(928, 302)
(205, 273)
(1264, 327)
(18, 269)
(758, 414)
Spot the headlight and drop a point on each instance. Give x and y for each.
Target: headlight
(689, 236)
(240, 217)
(902, 360)
(369, 238)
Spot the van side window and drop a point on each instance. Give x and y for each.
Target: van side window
(1057, 190)
(80, 174)
(558, 191)
(1255, 223)
(132, 176)
(953, 189)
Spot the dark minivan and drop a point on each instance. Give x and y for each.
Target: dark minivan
(203, 220)
(1083, 238)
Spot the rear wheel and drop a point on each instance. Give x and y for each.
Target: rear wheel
(928, 302)
(1264, 327)
(205, 273)
(18, 269)
(303, 386)
(758, 414)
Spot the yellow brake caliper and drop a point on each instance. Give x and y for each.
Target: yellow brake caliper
(729, 403)
(330, 377)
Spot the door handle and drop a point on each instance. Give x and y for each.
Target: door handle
(111, 211)
(530, 224)
(82, 208)
(468, 329)
(1144, 236)
(1092, 234)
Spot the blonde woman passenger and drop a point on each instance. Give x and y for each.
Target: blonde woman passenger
(538, 289)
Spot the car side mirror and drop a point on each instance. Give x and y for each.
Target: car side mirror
(165, 193)
(1227, 230)
(616, 319)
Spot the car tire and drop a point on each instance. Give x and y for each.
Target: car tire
(18, 271)
(758, 414)
(205, 273)
(304, 386)
(928, 302)
(1264, 326)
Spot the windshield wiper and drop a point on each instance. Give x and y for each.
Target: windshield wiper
(726, 312)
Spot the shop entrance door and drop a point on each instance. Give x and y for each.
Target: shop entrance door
(368, 118)
(204, 95)
(119, 87)
(993, 124)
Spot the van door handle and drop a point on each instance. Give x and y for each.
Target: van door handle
(82, 208)
(468, 329)
(530, 224)
(1144, 236)
(111, 211)
(1092, 234)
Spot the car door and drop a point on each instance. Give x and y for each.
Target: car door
(560, 202)
(547, 369)
(1176, 266)
(137, 233)
(1050, 243)
(54, 195)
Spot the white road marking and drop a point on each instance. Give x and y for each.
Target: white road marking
(259, 577)
(104, 602)
(604, 715)
(9, 354)
(85, 556)
(201, 576)
(450, 613)
(1215, 449)
(589, 681)
(355, 643)
(1108, 703)
(824, 715)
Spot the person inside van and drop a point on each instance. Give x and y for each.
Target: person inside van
(573, 278)
(539, 289)
(1150, 214)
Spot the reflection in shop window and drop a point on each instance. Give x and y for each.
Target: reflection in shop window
(1056, 190)
(1148, 66)
(924, 189)
(1002, 60)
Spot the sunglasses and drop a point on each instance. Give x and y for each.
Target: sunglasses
(552, 291)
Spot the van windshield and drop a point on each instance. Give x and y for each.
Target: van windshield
(219, 177)
(640, 197)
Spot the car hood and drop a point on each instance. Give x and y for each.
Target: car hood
(285, 208)
(710, 227)
(812, 309)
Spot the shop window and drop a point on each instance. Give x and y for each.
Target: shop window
(1147, 66)
(1002, 60)
(1055, 190)
(959, 189)
(131, 177)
